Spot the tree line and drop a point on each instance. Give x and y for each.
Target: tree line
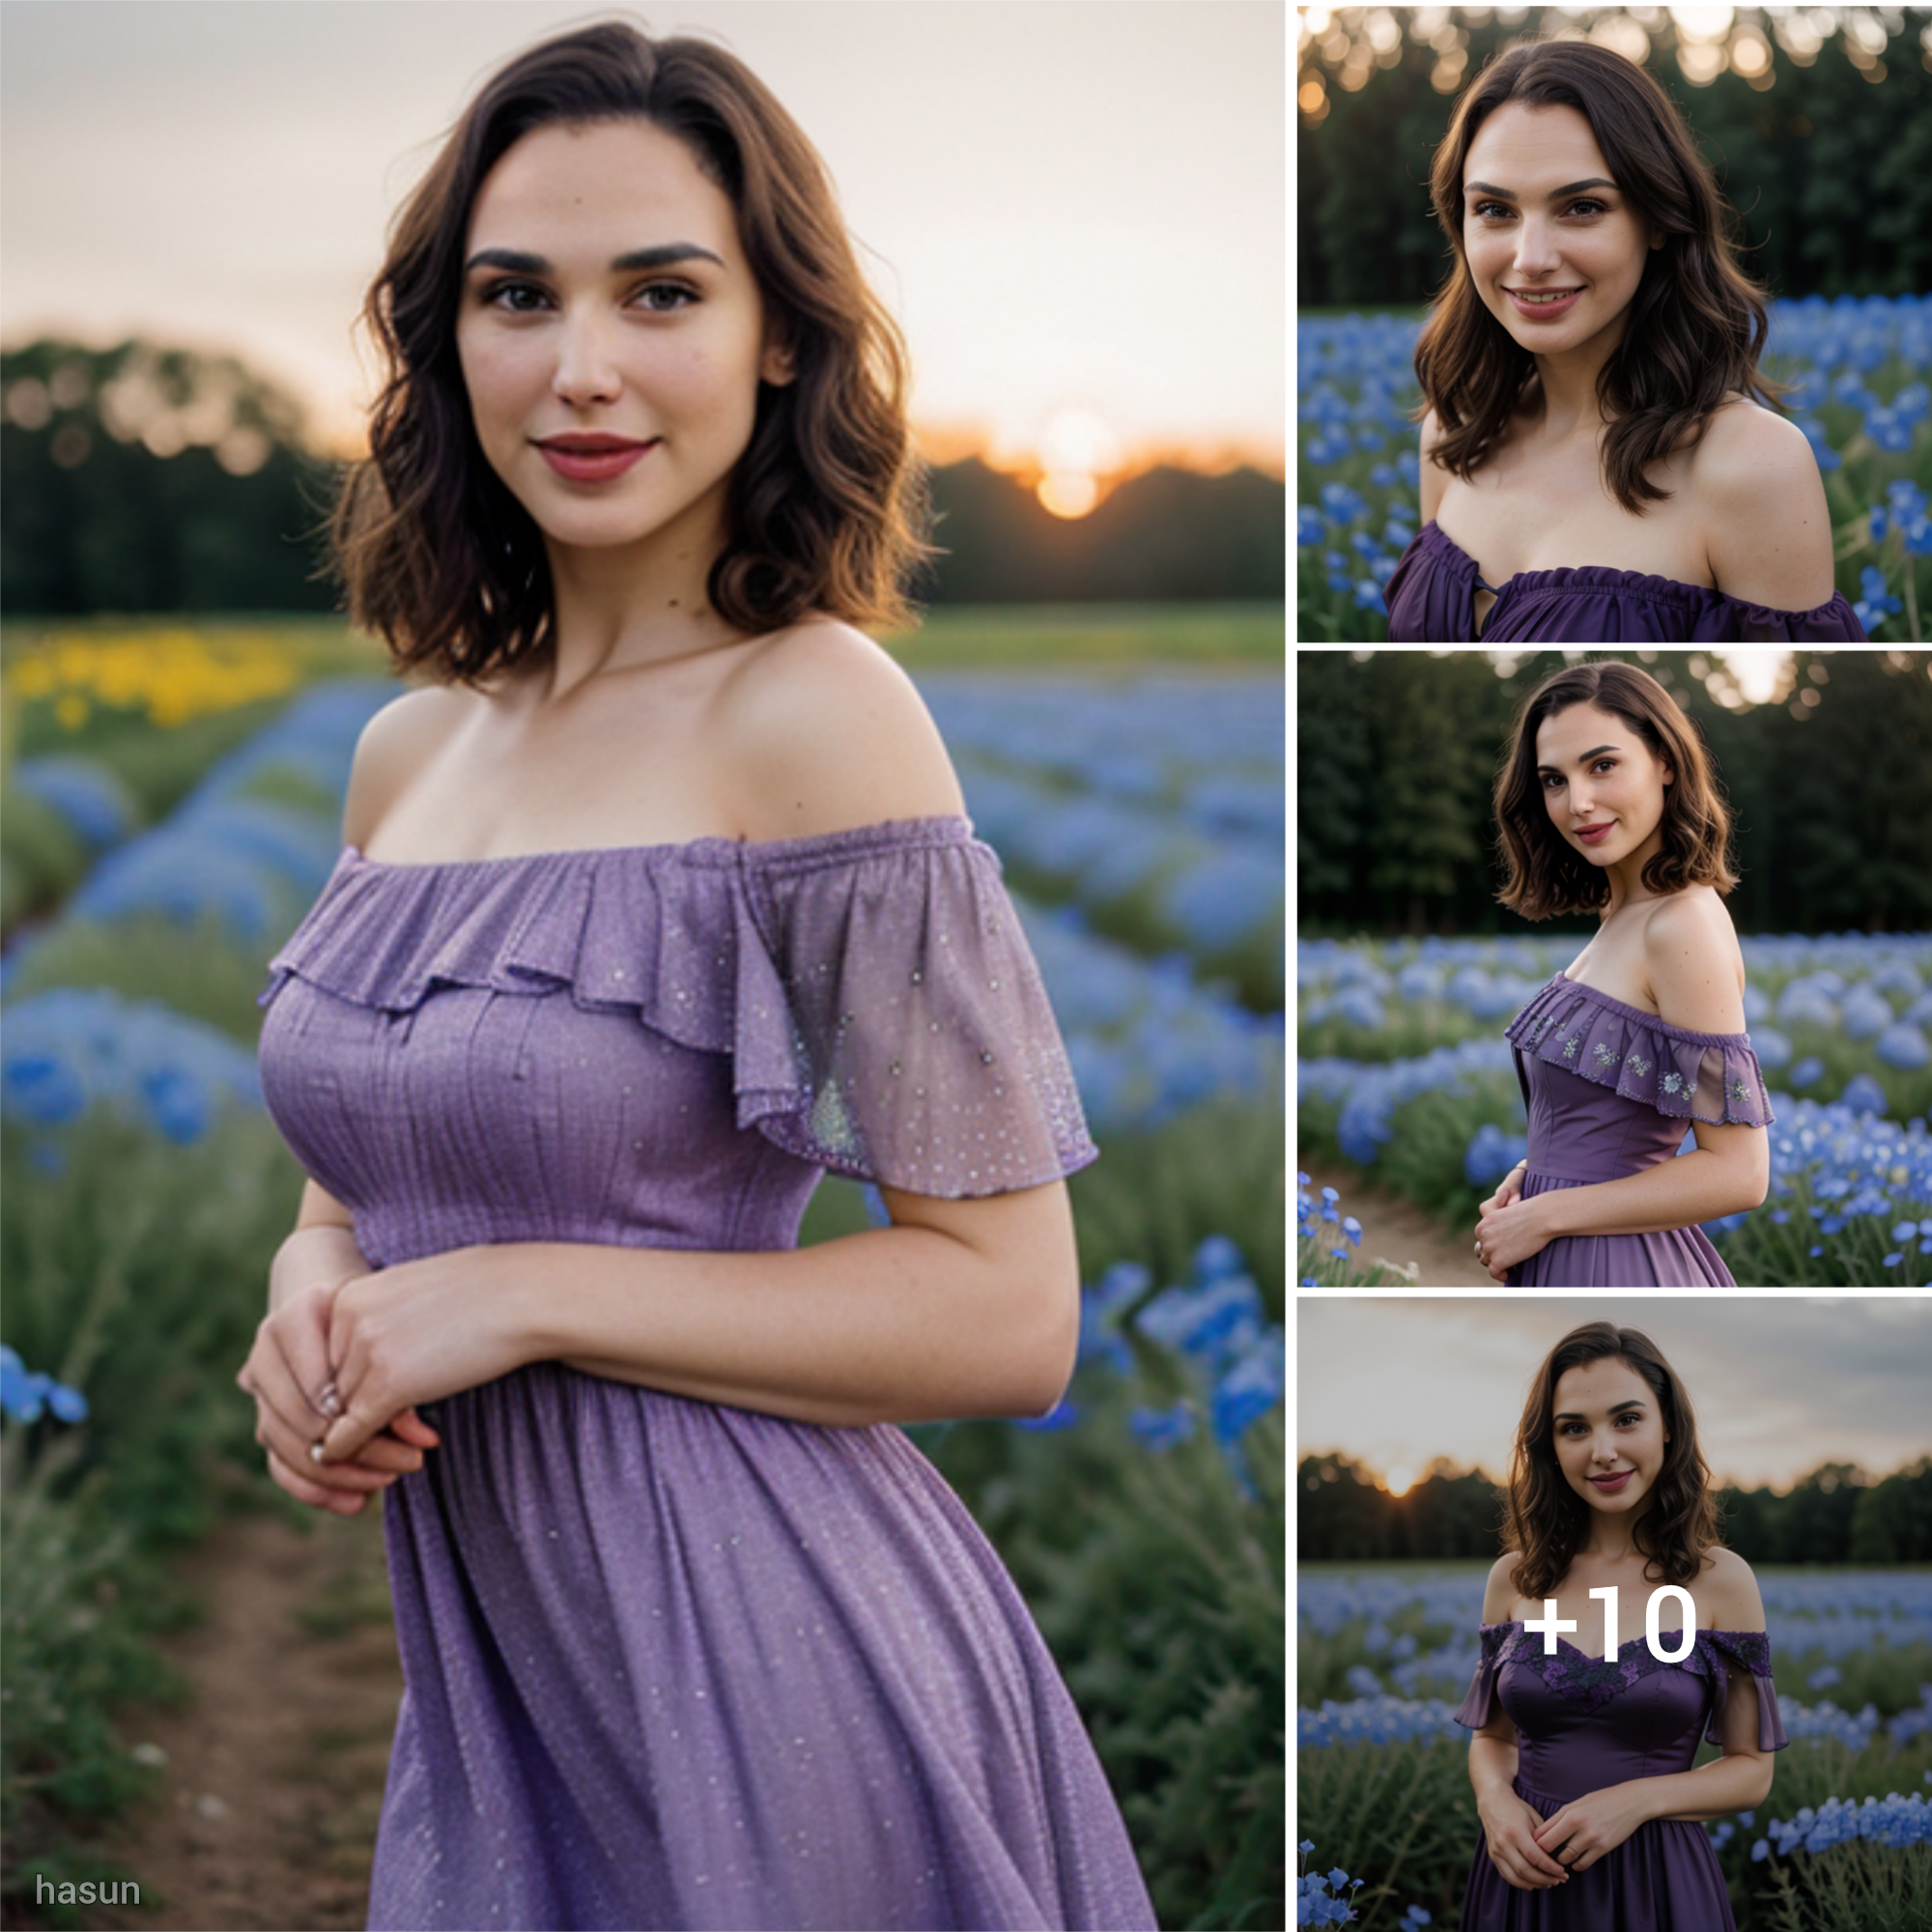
(1830, 790)
(1835, 1514)
(143, 479)
(1830, 173)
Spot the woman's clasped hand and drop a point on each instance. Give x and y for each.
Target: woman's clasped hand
(287, 1371)
(1511, 1229)
(1589, 1826)
(1509, 1826)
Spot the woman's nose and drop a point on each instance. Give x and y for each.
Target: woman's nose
(585, 369)
(1536, 250)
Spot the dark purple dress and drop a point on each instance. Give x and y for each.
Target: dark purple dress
(1430, 600)
(1584, 1723)
(1610, 1090)
(670, 1663)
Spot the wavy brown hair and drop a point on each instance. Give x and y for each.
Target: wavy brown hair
(1544, 1518)
(1697, 324)
(828, 507)
(1546, 876)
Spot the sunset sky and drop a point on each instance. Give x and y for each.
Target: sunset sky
(1075, 208)
(1778, 1386)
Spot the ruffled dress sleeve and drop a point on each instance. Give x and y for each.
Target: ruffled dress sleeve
(890, 1024)
(1478, 1706)
(1712, 1077)
(1741, 1650)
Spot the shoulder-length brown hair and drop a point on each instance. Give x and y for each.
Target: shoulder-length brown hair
(1546, 876)
(1697, 322)
(1544, 1518)
(827, 507)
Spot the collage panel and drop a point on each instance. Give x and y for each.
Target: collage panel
(1622, 1599)
(1612, 969)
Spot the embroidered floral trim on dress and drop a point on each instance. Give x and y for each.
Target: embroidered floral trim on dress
(1591, 1681)
(1685, 1075)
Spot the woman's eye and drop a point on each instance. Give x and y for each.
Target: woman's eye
(506, 295)
(1483, 208)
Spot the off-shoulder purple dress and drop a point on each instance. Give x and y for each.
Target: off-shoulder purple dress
(1430, 600)
(1584, 1723)
(670, 1662)
(1610, 1091)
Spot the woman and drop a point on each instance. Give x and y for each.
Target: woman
(657, 902)
(1607, 800)
(1593, 354)
(1583, 1781)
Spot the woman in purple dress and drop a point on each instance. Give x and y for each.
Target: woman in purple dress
(1595, 469)
(657, 902)
(1583, 1749)
(1607, 800)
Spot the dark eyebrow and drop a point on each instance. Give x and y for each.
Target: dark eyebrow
(1584, 759)
(1617, 1408)
(1554, 194)
(520, 263)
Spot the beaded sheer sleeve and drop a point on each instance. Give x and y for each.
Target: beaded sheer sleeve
(891, 1024)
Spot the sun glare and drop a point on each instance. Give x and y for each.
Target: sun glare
(1077, 451)
(1399, 1482)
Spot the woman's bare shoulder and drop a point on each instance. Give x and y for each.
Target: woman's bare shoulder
(1498, 1591)
(822, 729)
(1728, 1593)
(1693, 962)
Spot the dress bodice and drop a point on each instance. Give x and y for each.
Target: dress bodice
(664, 1045)
(1583, 1723)
(1580, 1054)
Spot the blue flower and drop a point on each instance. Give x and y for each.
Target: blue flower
(1162, 1428)
(1862, 1094)
(1904, 1046)
(1061, 1415)
(1309, 529)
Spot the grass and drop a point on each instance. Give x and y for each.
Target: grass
(1010, 636)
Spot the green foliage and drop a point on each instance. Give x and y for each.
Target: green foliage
(96, 521)
(195, 969)
(160, 767)
(1030, 636)
(1430, 1136)
(1219, 1168)
(1401, 1817)
(43, 858)
(1835, 1514)
(1875, 1887)
(1160, 1589)
(78, 1604)
(136, 1274)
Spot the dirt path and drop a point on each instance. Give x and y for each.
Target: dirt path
(1394, 1229)
(275, 1768)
